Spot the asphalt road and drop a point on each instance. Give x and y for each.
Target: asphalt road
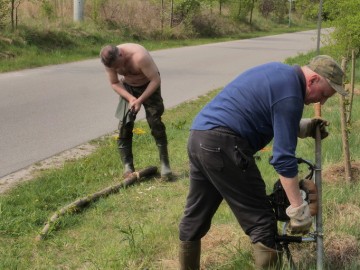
(45, 111)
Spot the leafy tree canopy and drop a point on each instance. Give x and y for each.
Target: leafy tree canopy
(345, 17)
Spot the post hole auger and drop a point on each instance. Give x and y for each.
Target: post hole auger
(280, 202)
(318, 182)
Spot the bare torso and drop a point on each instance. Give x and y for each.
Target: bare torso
(133, 65)
(136, 62)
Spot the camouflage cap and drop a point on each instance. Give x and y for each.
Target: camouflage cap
(327, 67)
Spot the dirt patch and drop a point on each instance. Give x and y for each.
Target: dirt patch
(57, 161)
(343, 215)
(335, 173)
(341, 250)
(220, 243)
(217, 246)
(302, 253)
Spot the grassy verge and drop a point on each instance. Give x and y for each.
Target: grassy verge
(137, 228)
(35, 47)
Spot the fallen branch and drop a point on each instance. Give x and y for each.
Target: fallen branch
(81, 203)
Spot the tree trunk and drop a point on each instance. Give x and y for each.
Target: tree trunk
(162, 16)
(352, 86)
(12, 15)
(344, 131)
(172, 14)
(251, 11)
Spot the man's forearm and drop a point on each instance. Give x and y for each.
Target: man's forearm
(120, 89)
(291, 187)
(150, 89)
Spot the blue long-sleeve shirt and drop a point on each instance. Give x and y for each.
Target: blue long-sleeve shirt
(263, 103)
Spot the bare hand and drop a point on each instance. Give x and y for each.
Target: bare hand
(134, 105)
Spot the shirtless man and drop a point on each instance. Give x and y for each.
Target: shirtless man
(134, 75)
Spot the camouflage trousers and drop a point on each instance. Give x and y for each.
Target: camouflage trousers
(154, 109)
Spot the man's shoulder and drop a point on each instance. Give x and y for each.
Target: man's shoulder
(133, 48)
(269, 68)
(276, 65)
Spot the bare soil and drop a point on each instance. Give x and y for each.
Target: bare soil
(336, 173)
(217, 246)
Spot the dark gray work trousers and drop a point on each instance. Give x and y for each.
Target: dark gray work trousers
(222, 167)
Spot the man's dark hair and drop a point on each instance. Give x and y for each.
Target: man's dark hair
(108, 55)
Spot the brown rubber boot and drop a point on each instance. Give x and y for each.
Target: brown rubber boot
(267, 258)
(189, 255)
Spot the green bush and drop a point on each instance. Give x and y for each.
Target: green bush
(210, 25)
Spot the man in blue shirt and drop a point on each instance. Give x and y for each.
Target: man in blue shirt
(262, 104)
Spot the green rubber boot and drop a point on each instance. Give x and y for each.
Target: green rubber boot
(166, 173)
(189, 255)
(267, 258)
(126, 155)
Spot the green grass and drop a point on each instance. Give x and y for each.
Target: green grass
(137, 228)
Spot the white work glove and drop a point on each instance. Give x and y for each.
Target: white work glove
(300, 219)
(307, 127)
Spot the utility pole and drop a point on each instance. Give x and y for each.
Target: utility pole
(78, 10)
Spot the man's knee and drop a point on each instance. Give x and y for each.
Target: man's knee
(265, 235)
(158, 129)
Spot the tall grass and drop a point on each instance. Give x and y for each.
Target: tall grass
(137, 228)
(54, 38)
(35, 46)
